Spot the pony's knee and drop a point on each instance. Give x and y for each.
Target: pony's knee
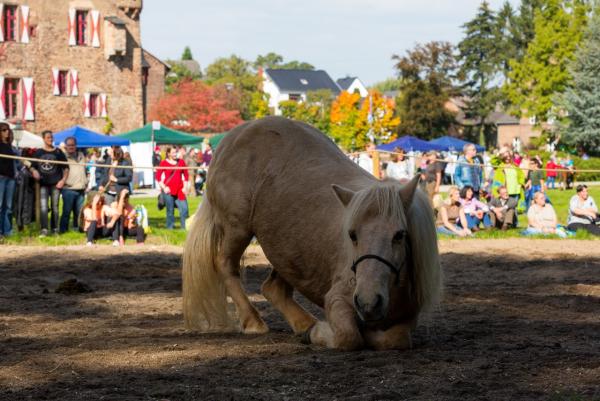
(322, 334)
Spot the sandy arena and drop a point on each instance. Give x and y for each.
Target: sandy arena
(520, 320)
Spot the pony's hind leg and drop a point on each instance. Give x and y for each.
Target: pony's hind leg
(281, 294)
(228, 258)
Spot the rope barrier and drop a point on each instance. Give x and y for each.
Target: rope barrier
(32, 159)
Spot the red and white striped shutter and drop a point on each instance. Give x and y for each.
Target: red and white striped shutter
(86, 105)
(104, 111)
(2, 113)
(55, 88)
(24, 24)
(28, 99)
(74, 77)
(95, 28)
(72, 27)
(1, 22)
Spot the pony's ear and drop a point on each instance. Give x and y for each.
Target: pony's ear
(344, 195)
(407, 191)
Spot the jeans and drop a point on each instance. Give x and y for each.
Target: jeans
(94, 232)
(591, 228)
(72, 203)
(183, 211)
(536, 231)
(49, 191)
(445, 230)
(551, 182)
(137, 232)
(7, 192)
(473, 221)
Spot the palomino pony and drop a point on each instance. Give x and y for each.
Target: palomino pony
(364, 250)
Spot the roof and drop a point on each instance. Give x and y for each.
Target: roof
(145, 62)
(191, 65)
(115, 20)
(500, 118)
(163, 136)
(344, 83)
(302, 80)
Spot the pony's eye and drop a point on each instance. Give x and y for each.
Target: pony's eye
(352, 235)
(399, 236)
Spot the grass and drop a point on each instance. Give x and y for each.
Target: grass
(156, 219)
(161, 236)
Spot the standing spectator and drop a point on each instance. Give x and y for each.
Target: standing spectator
(451, 219)
(469, 171)
(542, 218)
(94, 158)
(476, 212)
(174, 183)
(509, 175)
(117, 177)
(365, 159)
(432, 174)
(535, 181)
(73, 193)
(207, 154)
(7, 180)
(503, 210)
(190, 160)
(551, 167)
(52, 178)
(583, 212)
(399, 167)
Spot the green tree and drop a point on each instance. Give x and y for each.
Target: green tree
(426, 73)
(178, 73)
(315, 110)
(480, 62)
(269, 60)
(187, 54)
(389, 84)
(236, 74)
(543, 72)
(581, 101)
(297, 65)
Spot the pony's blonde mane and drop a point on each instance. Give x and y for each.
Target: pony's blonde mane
(384, 199)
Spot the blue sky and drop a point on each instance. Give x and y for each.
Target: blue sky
(343, 37)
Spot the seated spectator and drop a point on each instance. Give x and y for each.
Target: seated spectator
(542, 218)
(98, 220)
(503, 210)
(450, 214)
(476, 212)
(583, 212)
(126, 225)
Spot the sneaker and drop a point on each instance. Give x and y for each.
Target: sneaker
(89, 243)
(115, 243)
(44, 233)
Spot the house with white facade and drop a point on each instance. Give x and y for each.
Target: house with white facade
(282, 85)
(353, 84)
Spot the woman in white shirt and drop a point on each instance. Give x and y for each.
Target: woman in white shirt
(399, 167)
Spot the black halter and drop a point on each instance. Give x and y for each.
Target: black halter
(393, 268)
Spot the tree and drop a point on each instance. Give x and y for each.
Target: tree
(346, 127)
(480, 62)
(389, 84)
(179, 72)
(315, 110)
(377, 116)
(581, 101)
(194, 106)
(236, 74)
(269, 60)
(297, 65)
(187, 54)
(534, 81)
(426, 73)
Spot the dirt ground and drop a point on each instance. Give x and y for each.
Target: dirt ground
(520, 320)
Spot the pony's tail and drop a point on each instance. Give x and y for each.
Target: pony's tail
(204, 295)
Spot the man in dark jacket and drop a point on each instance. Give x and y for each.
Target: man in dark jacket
(503, 210)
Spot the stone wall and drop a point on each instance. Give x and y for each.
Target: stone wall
(118, 77)
(155, 88)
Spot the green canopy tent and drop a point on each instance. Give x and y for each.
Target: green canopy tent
(163, 136)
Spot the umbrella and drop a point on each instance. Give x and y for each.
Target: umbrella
(162, 136)
(88, 139)
(454, 144)
(410, 143)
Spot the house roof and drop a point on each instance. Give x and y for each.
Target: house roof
(344, 83)
(191, 65)
(146, 53)
(115, 20)
(302, 80)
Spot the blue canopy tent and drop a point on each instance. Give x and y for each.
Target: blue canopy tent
(89, 139)
(410, 143)
(454, 144)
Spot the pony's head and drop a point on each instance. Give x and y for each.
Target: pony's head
(380, 235)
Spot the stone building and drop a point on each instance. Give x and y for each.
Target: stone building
(67, 62)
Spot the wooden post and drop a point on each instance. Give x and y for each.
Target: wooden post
(376, 168)
(38, 212)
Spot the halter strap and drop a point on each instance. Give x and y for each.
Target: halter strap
(393, 268)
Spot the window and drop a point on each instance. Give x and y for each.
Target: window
(294, 97)
(11, 97)
(9, 18)
(81, 27)
(145, 72)
(94, 109)
(63, 79)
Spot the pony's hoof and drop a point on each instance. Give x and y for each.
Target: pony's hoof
(261, 328)
(305, 337)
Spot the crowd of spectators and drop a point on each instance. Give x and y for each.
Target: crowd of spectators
(95, 200)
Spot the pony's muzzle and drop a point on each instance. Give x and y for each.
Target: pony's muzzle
(371, 310)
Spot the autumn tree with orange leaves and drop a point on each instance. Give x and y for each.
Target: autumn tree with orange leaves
(193, 106)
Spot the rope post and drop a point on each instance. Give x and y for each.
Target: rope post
(376, 168)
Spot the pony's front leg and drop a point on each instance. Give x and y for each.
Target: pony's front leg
(396, 337)
(340, 331)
